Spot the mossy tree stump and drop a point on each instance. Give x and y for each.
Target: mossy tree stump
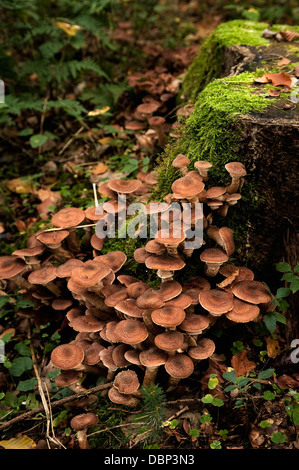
(235, 119)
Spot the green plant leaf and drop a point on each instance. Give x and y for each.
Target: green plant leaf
(194, 432)
(20, 365)
(265, 424)
(231, 376)
(283, 292)
(278, 437)
(294, 286)
(26, 385)
(37, 140)
(270, 321)
(207, 398)
(283, 267)
(268, 395)
(265, 374)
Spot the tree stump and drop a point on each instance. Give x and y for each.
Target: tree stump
(237, 119)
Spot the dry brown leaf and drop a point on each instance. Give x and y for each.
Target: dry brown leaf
(280, 78)
(289, 35)
(283, 61)
(273, 348)
(241, 364)
(20, 186)
(286, 381)
(262, 79)
(20, 224)
(99, 169)
(22, 442)
(256, 437)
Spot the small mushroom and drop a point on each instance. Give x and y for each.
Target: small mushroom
(236, 171)
(80, 424)
(181, 162)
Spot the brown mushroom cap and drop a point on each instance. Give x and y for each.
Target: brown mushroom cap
(106, 357)
(86, 323)
(213, 255)
(169, 341)
(152, 357)
(216, 301)
(116, 296)
(204, 349)
(121, 398)
(90, 273)
(118, 355)
(67, 377)
(126, 382)
(169, 289)
(65, 269)
(61, 304)
(170, 236)
(83, 421)
(10, 266)
(96, 242)
(43, 275)
(168, 317)
(131, 331)
(140, 255)
(34, 251)
(67, 356)
(68, 217)
(179, 366)
(181, 301)
(189, 185)
(136, 289)
(130, 308)
(156, 121)
(147, 108)
(150, 299)
(92, 353)
(154, 247)
(126, 279)
(132, 355)
(53, 238)
(165, 263)
(105, 191)
(236, 169)
(94, 213)
(215, 192)
(243, 312)
(194, 323)
(202, 165)
(254, 292)
(114, 259)
(124, 186)
(180, 161)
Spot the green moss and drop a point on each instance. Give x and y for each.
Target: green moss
(209, 62)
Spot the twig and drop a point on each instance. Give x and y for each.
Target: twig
(114, 427)
(54, 404)
(70, 140)
(42, 395)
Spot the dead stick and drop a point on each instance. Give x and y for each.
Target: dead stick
(54, 404)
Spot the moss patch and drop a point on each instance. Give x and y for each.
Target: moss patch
(209, 62)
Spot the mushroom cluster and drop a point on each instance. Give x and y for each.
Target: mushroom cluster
(121, 327)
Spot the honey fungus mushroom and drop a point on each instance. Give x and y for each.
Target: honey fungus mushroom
(237, 171)
(151, 359)
(178, 367)
(213, 259)
(11, 267)
(181, 162)
(80, 424)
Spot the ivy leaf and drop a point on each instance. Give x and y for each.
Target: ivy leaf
(20, 365)
(26, 385)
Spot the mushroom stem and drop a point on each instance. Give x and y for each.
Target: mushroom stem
(172, 384)
(73, 242)
(82, 439)
(150, 376)
(234, 186)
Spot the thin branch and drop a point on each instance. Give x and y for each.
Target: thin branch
(55, 404)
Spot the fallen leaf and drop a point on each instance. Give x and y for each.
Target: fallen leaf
(21, 226)
(105, 141)
(241, 364)
(285, 381)
(296, 71)
(262, 79)
(283, 61)
(256, 437)
(23, 442)
(280, 78)
(99, 169)
(289, 35)
(69, 29)
(273, 348)
(20, 186)
(98, 112)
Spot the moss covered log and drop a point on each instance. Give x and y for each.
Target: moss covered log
(235, 119)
